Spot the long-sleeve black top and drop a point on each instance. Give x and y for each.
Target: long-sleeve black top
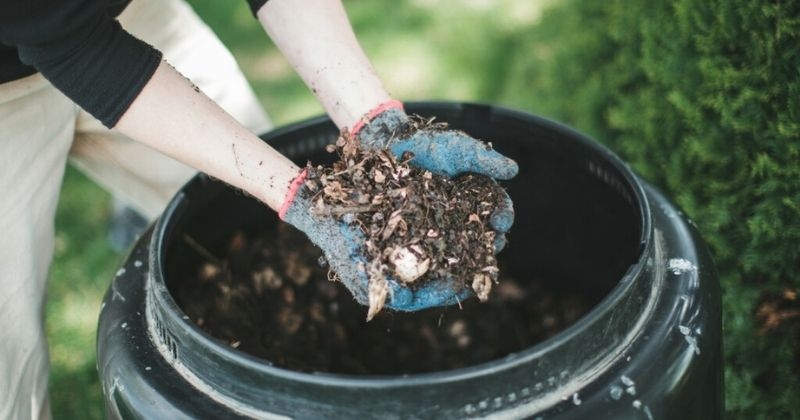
(79, 46)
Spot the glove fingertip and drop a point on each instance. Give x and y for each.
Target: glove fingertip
(505, 169)
(494, 164)
(502, 220)
(500, 243)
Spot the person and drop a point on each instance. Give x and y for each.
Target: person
(142, 95)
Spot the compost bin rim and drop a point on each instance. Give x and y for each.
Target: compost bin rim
(168, 307)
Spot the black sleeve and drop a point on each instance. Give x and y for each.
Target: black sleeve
(256, 4)
(82, 50)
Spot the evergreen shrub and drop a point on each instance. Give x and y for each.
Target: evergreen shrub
(702, 98)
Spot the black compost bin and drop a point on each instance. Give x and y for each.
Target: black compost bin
(648, 347)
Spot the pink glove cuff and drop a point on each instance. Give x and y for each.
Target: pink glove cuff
(374, 113)
(294, 187)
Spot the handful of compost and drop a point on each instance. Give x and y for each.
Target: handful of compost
(398, 229)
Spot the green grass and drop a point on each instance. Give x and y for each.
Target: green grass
(82, 268)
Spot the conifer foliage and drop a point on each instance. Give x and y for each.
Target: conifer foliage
(702, 98)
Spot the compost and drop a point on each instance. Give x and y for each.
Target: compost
(418, 227)
(269, 295)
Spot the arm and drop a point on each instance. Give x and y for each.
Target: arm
(122, 81)
(315, 36)
(318, 41)
(174, 117)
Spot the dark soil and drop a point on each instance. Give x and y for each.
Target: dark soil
(270, 297)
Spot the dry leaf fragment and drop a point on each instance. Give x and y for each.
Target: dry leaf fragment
(394, 220)
(387, 159)
(402, 172)
(398, 192)
(319, 206)
(482, 285)
(377, 290)
(335, 191)
(349, 149)
(311, 185)
(377, 199)
(361, 198)
(379, 177)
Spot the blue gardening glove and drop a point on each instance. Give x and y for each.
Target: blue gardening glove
(440, 151)
(342, 244)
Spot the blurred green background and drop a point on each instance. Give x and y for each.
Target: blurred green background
(699, 96)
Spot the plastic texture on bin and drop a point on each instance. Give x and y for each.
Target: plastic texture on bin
(649, 348)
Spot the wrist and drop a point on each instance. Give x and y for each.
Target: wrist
(374, 113)
(291, 193)
(381, 126)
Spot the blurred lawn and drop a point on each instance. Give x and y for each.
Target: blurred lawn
(424, 49)
(82, 268)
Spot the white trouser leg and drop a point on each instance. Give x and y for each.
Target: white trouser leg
(36, 128)
(141, 177)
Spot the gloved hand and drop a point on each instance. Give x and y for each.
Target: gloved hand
(342, 244)
(444, 152)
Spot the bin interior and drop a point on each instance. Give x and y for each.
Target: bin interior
(577, 231)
